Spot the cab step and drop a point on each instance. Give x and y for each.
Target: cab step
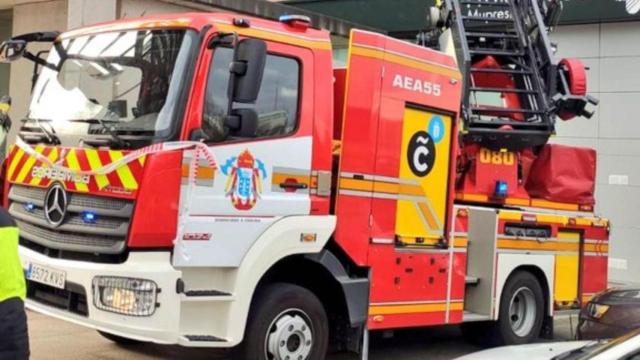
(471, 280)
(469, 316)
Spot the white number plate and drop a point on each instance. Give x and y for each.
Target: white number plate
(45, 275)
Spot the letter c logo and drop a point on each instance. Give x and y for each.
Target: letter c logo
(421, 154)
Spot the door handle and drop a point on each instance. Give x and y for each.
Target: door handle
(291, 185)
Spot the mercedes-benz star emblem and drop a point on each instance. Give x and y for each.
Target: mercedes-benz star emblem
(55, 205)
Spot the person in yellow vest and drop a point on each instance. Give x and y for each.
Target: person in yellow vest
(14, 338)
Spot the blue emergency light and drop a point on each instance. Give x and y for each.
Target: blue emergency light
(501, 190)
(30, 207)
(89, 217)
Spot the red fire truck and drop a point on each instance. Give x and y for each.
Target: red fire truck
(211, 180)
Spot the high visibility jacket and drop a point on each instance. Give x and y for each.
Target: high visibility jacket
(12, 283)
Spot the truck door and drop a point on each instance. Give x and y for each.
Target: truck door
(259, 179)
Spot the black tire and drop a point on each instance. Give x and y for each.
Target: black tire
(528, 286)
(289, 304)
(119, 339)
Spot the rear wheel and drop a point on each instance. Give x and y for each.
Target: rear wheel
(521, 310)
(520, 317)
(119, 339)
(286, 322)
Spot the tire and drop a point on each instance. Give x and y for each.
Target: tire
(119, 339)
(521, 314)
(285, 319)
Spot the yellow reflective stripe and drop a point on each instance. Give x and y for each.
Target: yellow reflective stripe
(26, 168)
(124, 173)
(554, 205)
(460, 241)
(391, 309)
(53, 156)
(517, 201)
(271, 35)
(95, 163)
(14, 162)
(73, 164)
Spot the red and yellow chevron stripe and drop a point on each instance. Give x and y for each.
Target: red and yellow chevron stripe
(22, 169)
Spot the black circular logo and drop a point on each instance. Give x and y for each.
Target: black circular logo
(421, 153)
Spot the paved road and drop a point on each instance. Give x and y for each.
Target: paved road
(53, 339)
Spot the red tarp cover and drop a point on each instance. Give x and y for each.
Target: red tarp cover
(563, 174)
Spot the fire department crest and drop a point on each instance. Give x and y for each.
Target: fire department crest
(244, 174)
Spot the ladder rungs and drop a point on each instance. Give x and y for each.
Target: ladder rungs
(495, 52)
(505, 110)
(487, 19)
(491, 35)
(502, 71)
(506, 90)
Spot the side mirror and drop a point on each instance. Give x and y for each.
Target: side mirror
(246, 69)
(12, 50)
(243, 123)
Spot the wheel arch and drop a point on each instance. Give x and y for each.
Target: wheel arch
(540, 266)
(344, 296)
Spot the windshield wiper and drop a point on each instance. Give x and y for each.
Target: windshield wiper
(48, 135)
(117, 140)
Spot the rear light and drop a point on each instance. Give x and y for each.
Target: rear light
(128, 296)
(597, 311)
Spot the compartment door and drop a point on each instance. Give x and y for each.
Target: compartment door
(567, 270)
(424, 177)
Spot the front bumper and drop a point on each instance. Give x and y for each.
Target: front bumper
(162, 327)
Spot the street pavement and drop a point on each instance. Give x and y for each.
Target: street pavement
(53, 339)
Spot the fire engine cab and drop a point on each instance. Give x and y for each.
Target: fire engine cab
(211, 180)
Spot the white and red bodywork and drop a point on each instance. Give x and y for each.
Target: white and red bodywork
(230, 226)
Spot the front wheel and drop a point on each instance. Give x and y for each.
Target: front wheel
(286, 322)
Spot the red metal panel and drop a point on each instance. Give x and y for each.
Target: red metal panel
(397, 321)
(593, 277)
(322, 115)
(407, 276)
(359, 136)
(155, 226)
(388, 154)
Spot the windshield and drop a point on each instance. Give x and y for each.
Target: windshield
(130, 80)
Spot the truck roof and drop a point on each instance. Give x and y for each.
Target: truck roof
(261, 28)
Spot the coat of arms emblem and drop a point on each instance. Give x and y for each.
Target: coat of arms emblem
(244, 174)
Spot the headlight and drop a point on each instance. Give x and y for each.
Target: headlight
(134, 297)
(597, 311)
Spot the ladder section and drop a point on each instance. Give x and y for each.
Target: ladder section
(509, 70)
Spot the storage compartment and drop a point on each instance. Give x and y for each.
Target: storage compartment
(563, 174)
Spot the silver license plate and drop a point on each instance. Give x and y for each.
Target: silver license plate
(46, 275)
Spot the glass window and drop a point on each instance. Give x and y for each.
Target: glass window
(130, 80)
(277, 103)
